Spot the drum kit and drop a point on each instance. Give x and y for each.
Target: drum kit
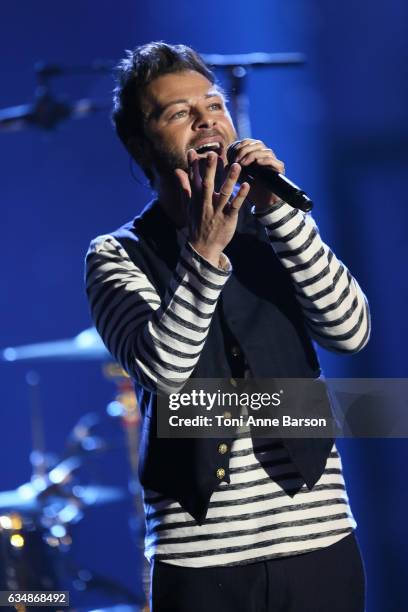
(38, 518)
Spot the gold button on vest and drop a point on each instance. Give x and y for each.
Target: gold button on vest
(222, 448)
(220, 473)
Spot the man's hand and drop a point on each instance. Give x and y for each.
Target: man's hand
(212, 216)
(255, 151)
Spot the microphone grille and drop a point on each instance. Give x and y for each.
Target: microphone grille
(232, 151)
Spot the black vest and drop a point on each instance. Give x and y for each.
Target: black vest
(259, 310)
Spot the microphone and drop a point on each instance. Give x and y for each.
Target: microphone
(276, 182)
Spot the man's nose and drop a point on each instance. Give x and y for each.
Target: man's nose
(203, 119)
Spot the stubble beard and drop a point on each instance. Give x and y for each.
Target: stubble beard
(167, 160)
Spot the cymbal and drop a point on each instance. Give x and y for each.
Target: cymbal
(87, 345)
(25, 498)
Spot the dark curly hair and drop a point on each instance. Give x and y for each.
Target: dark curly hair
(139, 68)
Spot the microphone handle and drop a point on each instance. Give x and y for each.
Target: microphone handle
(279, 184)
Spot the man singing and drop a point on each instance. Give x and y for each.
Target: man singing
(221, 279)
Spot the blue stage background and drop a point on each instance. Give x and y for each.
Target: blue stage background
(340, 125)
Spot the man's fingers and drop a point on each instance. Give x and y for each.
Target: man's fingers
(209, 168)
(202, 175)
(183, 181)
(264, 158)
(233, 207)
(247, 146)
(276, 164)
(228, 185)
(194, 170)
(249, 151)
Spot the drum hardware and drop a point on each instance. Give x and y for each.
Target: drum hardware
(125, 407)
(36, 518)
(86, 345)
(53, 498)
(28, 561)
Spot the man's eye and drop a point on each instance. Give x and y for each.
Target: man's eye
(179, 115)
(215, 106)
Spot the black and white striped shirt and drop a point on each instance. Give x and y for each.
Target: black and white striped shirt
(159, 344)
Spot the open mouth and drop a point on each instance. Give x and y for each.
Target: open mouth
(204, 149)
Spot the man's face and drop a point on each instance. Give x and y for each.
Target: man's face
(183, 111)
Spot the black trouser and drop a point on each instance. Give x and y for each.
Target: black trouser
(330, 579)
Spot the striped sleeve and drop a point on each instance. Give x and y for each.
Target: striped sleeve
(335, 308)
(157, 342)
